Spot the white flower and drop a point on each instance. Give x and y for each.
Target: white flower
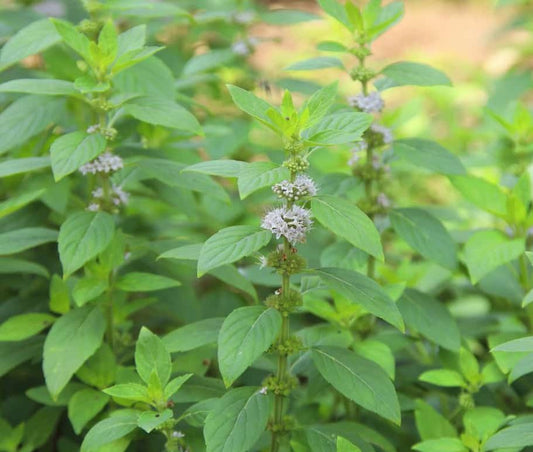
(119, 195)
(292, 223)
(98, 192)
(384, 131)
(302, 186)
(356, 151)
(263, 390)
(93, 207)
(371, 103)
(240, 48)
(178, 434)
(104, 163)
(93, 128)
(383, 200)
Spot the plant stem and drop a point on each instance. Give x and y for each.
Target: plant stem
(282, 358)
(110, 332)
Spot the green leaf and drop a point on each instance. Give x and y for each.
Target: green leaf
(430, 318)
(482, 422)
(50, 87)
(320, 103)
(109, 430)
(88, 288)
(24, 165)
(81, 330)
(441, 445)
(482, 194)
(149, 420)
(22, 326)
(129, 391)
(519, 435)
(358, 379)
(174, 385)
(430, 423)
(428, 154)
(229, 245)
(100, 369)
(193, 335)
(12, 242)
(83, 406)
(230, 275)
(310, 64)
(108, 43)
(331, 46)
(82, 237)
(222, 168)
(254, 326)
(59, 295)
(163, 112)
(443, 377)
(257, 175)
(346, 220)
(407, 73)
(287, 17)
(237, 421)
(338, 128)
(361, 290)
(39, 428)
(337, 11)
(208, 61)
(26, 117)
(343, 445)
(76, 40)
(10, 265)
(524, 344)
(72, 150)
(425, 234)
(14, 353)
(30, 40)
(251, 104)
(150, 355)
(485, 251)
(145, 282)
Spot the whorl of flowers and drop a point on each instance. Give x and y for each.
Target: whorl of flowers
(303, 186)
(371, 103)
(118, 196)
(359, 147)
(104, 163)
(385, 133)
(293, 223)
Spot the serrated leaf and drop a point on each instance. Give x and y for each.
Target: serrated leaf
(349, 222)
(254, 326)
(145, 282)
(430, 318)
(149, 420)
(487, 250)
(237, 421)
(258, 175)
(72, 150)
(23, 165)
(229, 245)
(109, 430)
(81, 330)
(222, 168)
(315, 63)
(428, 154)
(408, 73)
(82, 237)
(83, 406)
(361, 290)
(193, 335)
(151, 355)
(359, 379)
(443, 377)
(519, 435)
(482, 193)
(425, 234)
(20, 327)
(50, 87)
(129, 391)
(12, 242)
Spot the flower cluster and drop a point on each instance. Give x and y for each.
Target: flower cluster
(359, 147)
(303, 186)
(117, 196)
(293, 223)
(371, 103)
(385, 132)
(105, 163)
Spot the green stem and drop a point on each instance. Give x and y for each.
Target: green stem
(281, 374)
(110, 332)
(371, 263)
(524, 272)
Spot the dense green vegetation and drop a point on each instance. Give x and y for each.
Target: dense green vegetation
(197, 256)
